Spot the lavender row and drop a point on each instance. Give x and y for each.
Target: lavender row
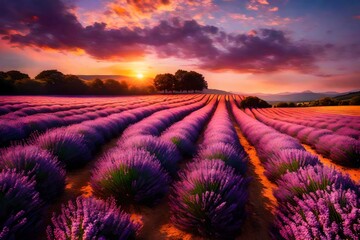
(40, 173)
(340, 149)
(345, 125)
(314, 201)
(138, 169)
(209, 199)
(184, 134)
(24, 127)
(56, 108)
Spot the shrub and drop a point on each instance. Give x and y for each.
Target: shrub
(227, 153)
(20, 206)
(288, 160)
(165, 152)
(89, 218)
(130, 175)
(38, 164)
(209, 199)
(324, 214)
(68, 147)
(311, 179)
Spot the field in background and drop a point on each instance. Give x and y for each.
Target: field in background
(179, 166)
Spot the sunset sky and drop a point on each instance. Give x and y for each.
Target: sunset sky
(248, 46)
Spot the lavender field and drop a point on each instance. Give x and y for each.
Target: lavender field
(188, 166)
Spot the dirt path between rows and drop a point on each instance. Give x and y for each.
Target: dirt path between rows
(262, 203)
(352, 172)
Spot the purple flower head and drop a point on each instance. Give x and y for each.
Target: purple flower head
(346, 152)
(10, 131)
(130, 175)
(324, 214)
(39, 164)
(209, 199)
(183, 143)
(20, 206)
(165, 152)
(267, 149)
(227, 153)
(311, 179)
(92, 138)
(303, 134)
(288, 160)
(68, 147)
(314, 136)
(350, 132)
(89, 218)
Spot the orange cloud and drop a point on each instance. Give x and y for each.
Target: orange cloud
(274, 9)
(240, 17)
(263, 2)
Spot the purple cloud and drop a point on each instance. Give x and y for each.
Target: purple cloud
(52, 24)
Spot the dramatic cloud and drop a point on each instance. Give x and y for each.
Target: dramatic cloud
(51, 24)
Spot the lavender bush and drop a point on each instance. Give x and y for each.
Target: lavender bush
(68, 147)
(209, 200)
(89, 218)
(288, 160)
(227, 153)
(130, 176)
(324, 214)
(311, 179)
(39, 164)
(20, 206)
(165, 152)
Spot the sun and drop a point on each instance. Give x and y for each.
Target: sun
(140, 76)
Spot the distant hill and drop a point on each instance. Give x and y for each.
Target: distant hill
(296, 96)
(347, 96)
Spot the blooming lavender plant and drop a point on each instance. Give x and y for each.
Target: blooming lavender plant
(68, 147)
(20, 206)
(89, 218)
(165, 152)
(288, 160)
(346, 152)
(227, 153)
(324, 214)
(209, 199)
(39, 164)
(130, 176)
(311, 179)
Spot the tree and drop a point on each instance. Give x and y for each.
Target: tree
(355, 100)
(97, 87)
(190, 81)
(254, 102)
(282, 105)
(163, 82)
(17, 75)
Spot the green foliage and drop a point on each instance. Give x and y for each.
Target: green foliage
(355, 100)
(181, 81)
(254, 102)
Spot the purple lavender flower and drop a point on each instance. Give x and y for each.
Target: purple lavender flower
(346, 152)
(20, 206)
(227, 153)
(325, 214)
(311, 179)
(89, 218)
(130, 175)
(68, 147)
(288, 160)
(38, 164)
(165, 152)
(93, 139)
(209, 199)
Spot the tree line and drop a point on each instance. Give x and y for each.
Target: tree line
(53, 82)
(180, 81)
